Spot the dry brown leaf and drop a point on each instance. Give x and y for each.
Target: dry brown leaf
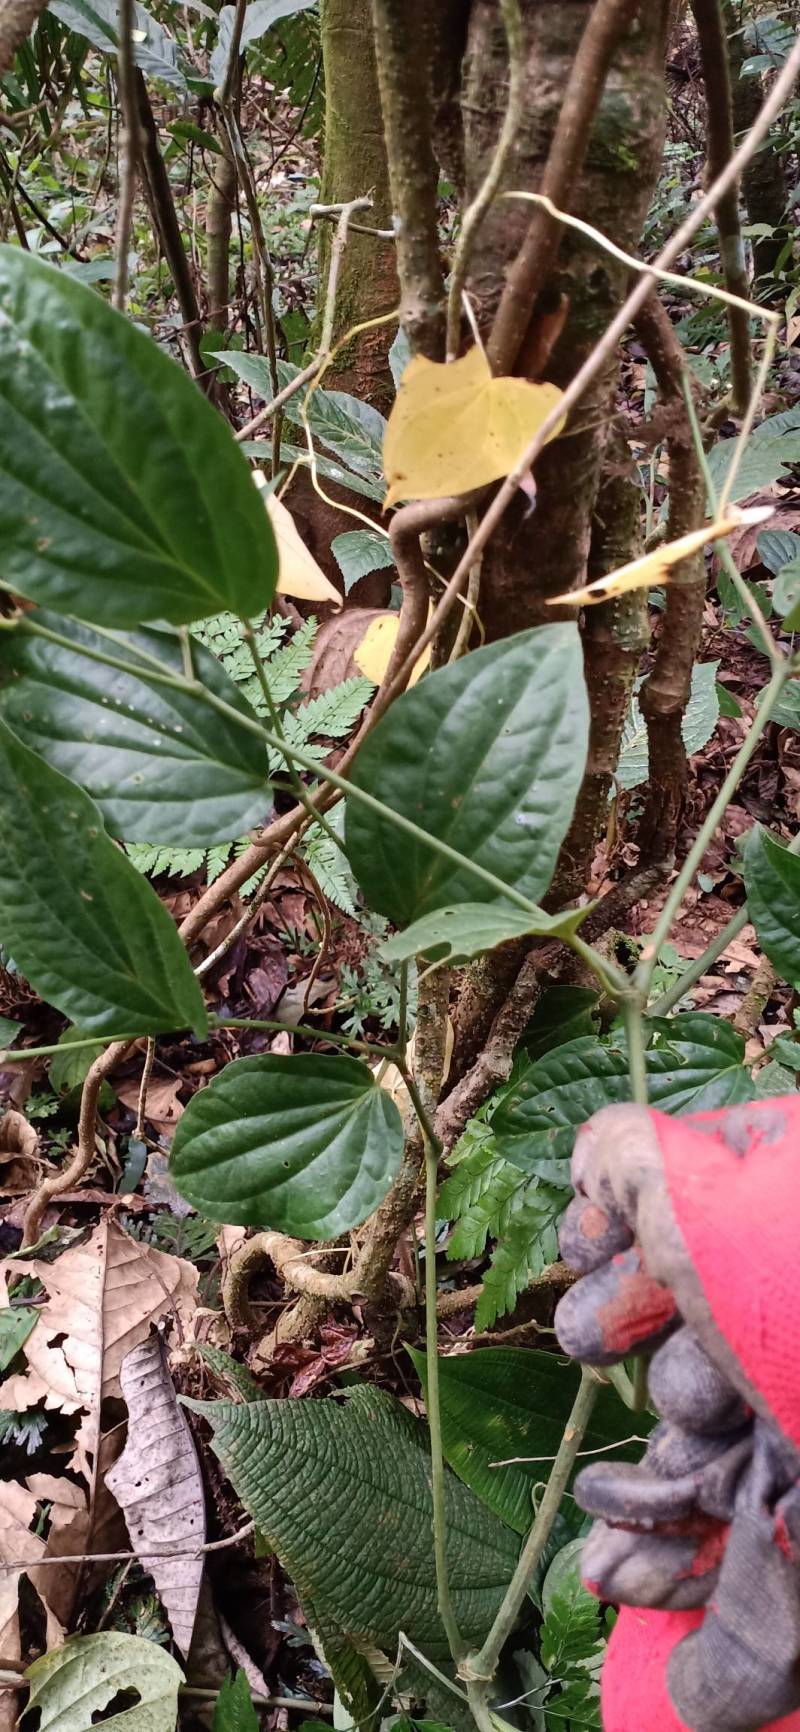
(68, 1536)
(19, 1546)
(657, 567)
(158, 1485)
(17, 1137)
(102, 1297)
(162, 1107)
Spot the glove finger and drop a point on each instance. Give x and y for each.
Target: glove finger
(690, 1390)
(672, 1571)
(615, 1311)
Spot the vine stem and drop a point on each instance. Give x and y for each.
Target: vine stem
(644, 973)
(479, 1669)
(443, 1596)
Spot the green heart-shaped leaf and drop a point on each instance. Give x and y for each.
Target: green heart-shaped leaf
(308, 1145)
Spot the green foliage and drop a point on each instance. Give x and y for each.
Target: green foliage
(769, 454)
(124, 532)
(772, 882)
(234, 1711)
(342, 1494)
(359, 551)
(72, 1685)
(487, 755)
(571, 1645)
(455, 934)
(502, 1403)
(510, 1172)
(162, 766)
(23, 1430)
(241, 1385)
(350, 432)
(91, 936)
(308, 1145)
(16, 1323)
(698, 724)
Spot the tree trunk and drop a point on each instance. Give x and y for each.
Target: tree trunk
(219, 217)
(534, 557)
(355, 164)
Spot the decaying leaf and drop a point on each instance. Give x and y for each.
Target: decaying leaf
(101, 1298)
(19, 1145)
(73, 1685)
(454, 427)
(158, 1485)
(67, 1537)
(657, 567)
(18, 1545)
(298, 571)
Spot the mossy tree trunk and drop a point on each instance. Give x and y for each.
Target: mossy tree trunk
(355, 164)
(764, 181)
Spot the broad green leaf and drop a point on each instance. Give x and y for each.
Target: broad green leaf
(694, 1063)
(360, 551)
(342, 1494)
(16, 1323)
(234, 1711)
(786, 591)
(85, 929)
(187, 131)
(561, 1014)
(776, 548)
(772, 882)
(258, 18)
(163, 766)
(699, 721)
(73, 1685)
(454, 934)
(154, 51)
(768, 455)
(487, 755)
(353, 431)
(123, 496)
(308, 1144)
(9, 1029)
(501, 1402)
(326, 468)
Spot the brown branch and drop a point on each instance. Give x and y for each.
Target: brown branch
(608, 21)
(665, 693)
(162, 207)
(719, 149)
(401, 49)
(17, 18)
(130, 141)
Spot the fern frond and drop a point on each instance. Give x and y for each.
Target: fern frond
(335, 712)
(330, 868)
(152, 861)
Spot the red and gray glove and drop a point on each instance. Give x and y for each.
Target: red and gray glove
(687, 1235)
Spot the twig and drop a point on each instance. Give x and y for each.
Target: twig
(487, 192)
(129, 144)
(719, 148)
(224, 90)
(608, 20)
(314, 366)
(141, 1110)
(166, 1551)
(162, 206)
(444, 1600)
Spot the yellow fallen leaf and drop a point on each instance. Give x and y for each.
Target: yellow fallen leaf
(374, 652)
(656, 567)
(455, 427)
(298, 572)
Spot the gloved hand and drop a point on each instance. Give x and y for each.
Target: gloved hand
(687, 1234)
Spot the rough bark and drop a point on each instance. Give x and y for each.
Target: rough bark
(403, 55)
(355, 163)
(536, 557)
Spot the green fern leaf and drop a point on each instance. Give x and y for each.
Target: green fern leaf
(171, 862)
(330, 868)
(474, 1195)
(333, 713)
(527, 1235)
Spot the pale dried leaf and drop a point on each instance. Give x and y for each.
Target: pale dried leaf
(23, 1549)
(298, 572)
(158, 1485)
(17, 1137)
(68, 1537)
(162, 1107)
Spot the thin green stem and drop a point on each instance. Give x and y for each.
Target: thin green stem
(304, 1030)
(445, 1604)
(695, 970)
(481, 1666)
(299, 790)
(644, 972)
(637, 1067)
(26, 1052)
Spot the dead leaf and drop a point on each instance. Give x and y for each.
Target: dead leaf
(68, 1535)
(657, 567)
(19, 1546)
(162, 1107)
(299, 573)
(102, 1297)
(17, 1137)
(158, 1485)
(454, 427)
